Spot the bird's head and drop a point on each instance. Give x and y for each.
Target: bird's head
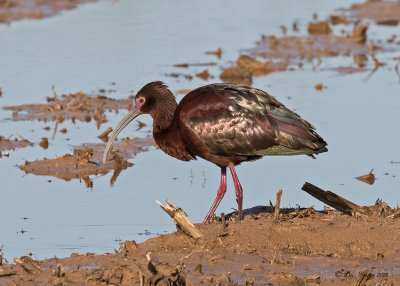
(152, 98)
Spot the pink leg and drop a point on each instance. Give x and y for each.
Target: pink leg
(220, 194)
(238, 190)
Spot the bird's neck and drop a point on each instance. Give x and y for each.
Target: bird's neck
(164, 114)
(166, 132)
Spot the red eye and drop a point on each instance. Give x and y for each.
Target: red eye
(141, 100)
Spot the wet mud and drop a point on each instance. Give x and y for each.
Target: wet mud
(383, 12)
(77, 106)
(12, 143)
(292, 52)
(86, 161)
(299, 247)
(14, 10)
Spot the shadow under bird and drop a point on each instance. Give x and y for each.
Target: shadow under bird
(223, 123)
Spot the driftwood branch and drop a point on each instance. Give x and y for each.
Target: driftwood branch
(277, 203)
(335, 201)
(181, 219)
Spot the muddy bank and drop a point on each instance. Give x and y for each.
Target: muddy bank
(300, 247)
(86, 161)
(14, 10)
(77, 106)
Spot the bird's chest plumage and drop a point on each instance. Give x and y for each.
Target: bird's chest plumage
(170, 142)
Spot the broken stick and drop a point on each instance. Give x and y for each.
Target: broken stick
(277, 204)
(180, 218)
(334, 200)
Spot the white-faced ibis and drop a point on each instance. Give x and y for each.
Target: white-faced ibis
(223, 123)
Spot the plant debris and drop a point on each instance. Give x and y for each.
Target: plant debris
(368, 178)
(76, 106)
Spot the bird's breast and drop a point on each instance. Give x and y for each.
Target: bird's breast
(170, 142)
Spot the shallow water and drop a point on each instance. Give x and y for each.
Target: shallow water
(132, 43)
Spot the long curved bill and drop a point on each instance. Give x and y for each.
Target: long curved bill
(121, 125)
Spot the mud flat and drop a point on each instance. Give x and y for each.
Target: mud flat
(299, 247)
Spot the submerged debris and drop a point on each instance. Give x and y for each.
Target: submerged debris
(247, 67)
(319, 28)
(319, 86)
(218, 53)
(338, 19)
(86, 161)
(44, 143)
(237, 74)
(368, 178)
(12, 144)
(104, 136)
(204, 75)
(177, 75)
(77, 106)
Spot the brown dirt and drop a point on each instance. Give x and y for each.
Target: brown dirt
(14, 10)
(76, 106)
(86, 161)
(300, 247)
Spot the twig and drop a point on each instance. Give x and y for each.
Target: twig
(56, 104)
(104, 136)
(8, 274)
(180, 218)
(55, 129)
(277, 203)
